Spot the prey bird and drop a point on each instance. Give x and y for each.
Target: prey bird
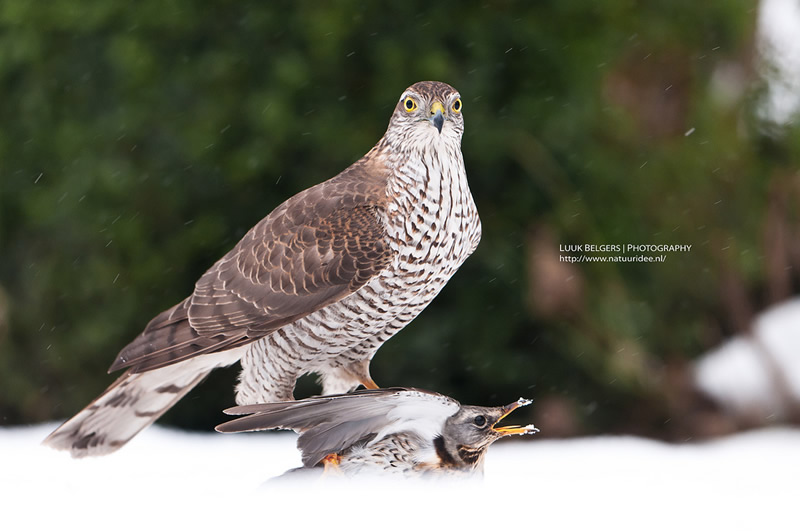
(315, 287)
(385, 431)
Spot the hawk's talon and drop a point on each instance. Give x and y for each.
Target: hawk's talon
(331, 465)
(369, 383)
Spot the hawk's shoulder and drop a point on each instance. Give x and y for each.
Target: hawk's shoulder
(314, 249)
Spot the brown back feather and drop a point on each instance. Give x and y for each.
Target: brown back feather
(316, 248)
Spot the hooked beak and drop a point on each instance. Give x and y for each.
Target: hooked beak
(437, 115)
(514, 430)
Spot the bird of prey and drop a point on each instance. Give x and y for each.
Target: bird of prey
(315, 287)
(379, 431)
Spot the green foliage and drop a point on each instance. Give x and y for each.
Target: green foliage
(140, 140)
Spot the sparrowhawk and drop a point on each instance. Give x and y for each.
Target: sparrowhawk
(385, 431)
(315, 287)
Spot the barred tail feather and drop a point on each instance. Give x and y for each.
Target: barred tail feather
(131, 404)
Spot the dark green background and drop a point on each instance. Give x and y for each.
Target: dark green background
(140, 140)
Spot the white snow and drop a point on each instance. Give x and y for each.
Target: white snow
(170, 479)
(779, 47)
(756, 375)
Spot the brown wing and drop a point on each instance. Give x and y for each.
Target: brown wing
(316, 248)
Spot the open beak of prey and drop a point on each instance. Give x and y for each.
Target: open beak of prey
(437, 115)
(515, 430)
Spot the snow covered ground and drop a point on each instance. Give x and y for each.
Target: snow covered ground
(171, 479)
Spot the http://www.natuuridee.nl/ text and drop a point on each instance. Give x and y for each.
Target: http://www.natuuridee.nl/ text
(619, 252)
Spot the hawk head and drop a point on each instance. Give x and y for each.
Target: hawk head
(428, 112)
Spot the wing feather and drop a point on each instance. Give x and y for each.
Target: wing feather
(331, 424)
(316, 248)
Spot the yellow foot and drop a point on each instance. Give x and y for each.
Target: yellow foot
(331, 464)
(369, 383)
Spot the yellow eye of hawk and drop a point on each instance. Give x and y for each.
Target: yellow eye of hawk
(457, 105)
(409, 104)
